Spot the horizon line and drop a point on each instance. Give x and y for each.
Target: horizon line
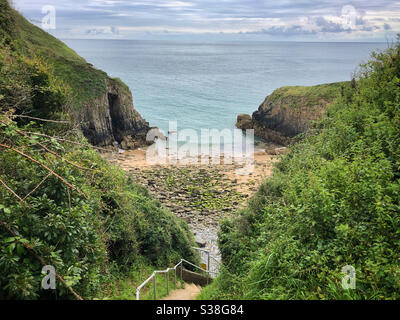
(233, 40)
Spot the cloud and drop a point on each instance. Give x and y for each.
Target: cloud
(102, 31)
(284, 31)
(330, 26)
(283, 18)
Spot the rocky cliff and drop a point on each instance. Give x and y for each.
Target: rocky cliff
(101, 106)
(112, 118)
(290, 111)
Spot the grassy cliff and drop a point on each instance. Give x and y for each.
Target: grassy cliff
(290, 111)
(87, 82)
(100, 106)
(61, 204)
(302, 96)
(333, 201)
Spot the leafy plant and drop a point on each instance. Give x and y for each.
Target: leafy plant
(333, 201)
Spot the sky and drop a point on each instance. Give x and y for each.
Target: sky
(274, 20)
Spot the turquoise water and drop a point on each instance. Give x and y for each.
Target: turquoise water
(206, 85)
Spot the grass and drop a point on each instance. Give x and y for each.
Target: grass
(209, 292)
(309, 96)
(87, 82)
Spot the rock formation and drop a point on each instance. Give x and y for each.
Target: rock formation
(290, 111)
(112, 118)
(100, 106)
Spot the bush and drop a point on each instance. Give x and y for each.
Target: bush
(109, 221)
(62, 204)
(333, 201)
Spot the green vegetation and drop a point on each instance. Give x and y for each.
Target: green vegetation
(61, 203)
(308, 96)
(333, 201)
(124, 287)
(87, 82)
(98, 225)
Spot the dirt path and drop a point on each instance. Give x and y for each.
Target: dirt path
(190, 292)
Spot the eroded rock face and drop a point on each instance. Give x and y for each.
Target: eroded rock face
(112, 117)
(100, 106)
(289, 111)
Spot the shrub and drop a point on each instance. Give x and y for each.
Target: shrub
(333, 201)
(61, 203)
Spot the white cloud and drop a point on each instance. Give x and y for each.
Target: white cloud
(283, 19)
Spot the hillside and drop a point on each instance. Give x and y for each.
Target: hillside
(101, 106)
(290, 111)
(333, 201)
(61, 203)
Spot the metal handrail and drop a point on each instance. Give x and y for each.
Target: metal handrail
(209, 256)
(193, 265)
(166, 271)
(208, 253)
(201, 249)
(216, 260)
(153, 277)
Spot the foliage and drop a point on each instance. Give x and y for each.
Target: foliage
(7, 20)
(301, 96)
(29, 86)
(113, 220)
(87, 83)
(61, 201)
(333, 201)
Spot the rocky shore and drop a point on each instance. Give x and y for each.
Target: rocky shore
(200, 194)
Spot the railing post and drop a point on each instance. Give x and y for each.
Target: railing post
(174, 278)
(155, 285)
(181, 269)
(208, 262)
(137, 295)
(167, 274)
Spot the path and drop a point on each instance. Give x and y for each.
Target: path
(190, 292)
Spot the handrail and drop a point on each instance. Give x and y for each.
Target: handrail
(201, 249)
(166, 271)
(193, 265)
(208, 253)
(209, 256)
(144, 283)
(215, 259)
(153, 277)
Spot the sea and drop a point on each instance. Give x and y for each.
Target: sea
(200, 86)
(206, 85)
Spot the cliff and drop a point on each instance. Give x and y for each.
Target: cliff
(290, 111)
(112, 117)
(101, 106)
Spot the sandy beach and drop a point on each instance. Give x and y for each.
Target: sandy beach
(201, 194)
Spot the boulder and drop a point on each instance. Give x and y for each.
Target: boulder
(244, 122)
